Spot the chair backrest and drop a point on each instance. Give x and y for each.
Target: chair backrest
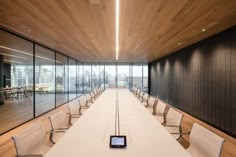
(82, 100)
(92, 94)
(145, 96)
(204, 142)
(160, 107)
(151, 101)
(141, 93)
(74, 108)
(58, 120)
(29, 139)
(88, 96)
(173, 117)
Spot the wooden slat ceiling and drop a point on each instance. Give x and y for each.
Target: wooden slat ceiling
(149, 29)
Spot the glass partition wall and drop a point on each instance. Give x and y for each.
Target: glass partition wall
(35, 79)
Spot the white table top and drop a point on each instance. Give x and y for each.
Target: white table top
(89, 136)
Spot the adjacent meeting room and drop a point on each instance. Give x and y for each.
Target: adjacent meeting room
(117, 78)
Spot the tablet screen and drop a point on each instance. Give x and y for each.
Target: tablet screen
(118, 141)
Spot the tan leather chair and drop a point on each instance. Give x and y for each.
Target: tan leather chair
(31, 142)
(204, 143)
(59, 126)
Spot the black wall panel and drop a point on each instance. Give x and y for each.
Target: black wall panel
(201, 80)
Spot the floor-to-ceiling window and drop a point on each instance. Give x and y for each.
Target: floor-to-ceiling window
(16, 81)
(87, 78)
(145, 78)
(72, 78)
(123, 76)
(110, 76)
(95, 76)
(44, 80)
(80, 78)
(137, 76)
(61, 79)
(102, 76)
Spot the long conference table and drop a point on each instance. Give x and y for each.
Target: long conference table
(90, 135)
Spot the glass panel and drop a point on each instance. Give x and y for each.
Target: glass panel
(110, 74)
(95, 76)
(72, 79)
(123, 76)
(102, 73)
(145, 78)
(44, 80)
(137, 76)
(16, 81)
(87, 78)
(61, 79)
(81, 78)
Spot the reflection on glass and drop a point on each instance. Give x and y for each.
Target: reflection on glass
(87, 78)
(137, 76)
(110, 74)
(145, 78)
(80, 79)
(123, 76)
(61, 79)
(102, 74)
(95, 76)
(72, 79)
(44, 80)
(16, 81)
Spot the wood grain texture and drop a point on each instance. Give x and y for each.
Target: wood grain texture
(200, 80)
(149, 29)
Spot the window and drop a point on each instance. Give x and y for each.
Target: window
(80, 79)
(72, 79)
(123, 76)
(87, 78)
(44, 80)
(137, 76)
(145, 78)
(102, 74)
(95, 76)
(61, 79)
(16, 81)
(110, 74)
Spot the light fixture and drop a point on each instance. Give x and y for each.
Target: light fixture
(179, 43)
(117, 28)
(203, 30)
(29, 30)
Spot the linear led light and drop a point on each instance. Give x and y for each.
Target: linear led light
(5, 54)
(117, 27)
(5, 60)
(29, 54)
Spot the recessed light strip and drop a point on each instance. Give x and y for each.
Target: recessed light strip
(117, 27)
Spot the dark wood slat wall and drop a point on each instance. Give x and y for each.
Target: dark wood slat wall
(201, 80)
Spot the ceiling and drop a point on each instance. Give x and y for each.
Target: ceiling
(85, 29)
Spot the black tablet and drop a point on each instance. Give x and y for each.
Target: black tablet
(117, 141)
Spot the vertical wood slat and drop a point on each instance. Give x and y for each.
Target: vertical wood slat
(203, 83)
